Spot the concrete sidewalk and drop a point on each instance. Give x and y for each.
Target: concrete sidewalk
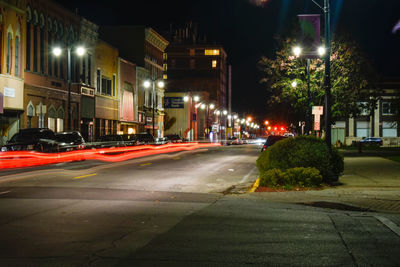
(368, 183)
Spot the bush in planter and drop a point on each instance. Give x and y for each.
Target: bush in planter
(299, 176)
(302, 151)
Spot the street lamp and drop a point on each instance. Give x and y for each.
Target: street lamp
(80, 51)
(297, 52)
(160, 84)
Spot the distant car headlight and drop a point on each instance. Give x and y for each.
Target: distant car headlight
(3, 149)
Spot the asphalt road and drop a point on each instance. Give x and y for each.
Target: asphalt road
(177, 210)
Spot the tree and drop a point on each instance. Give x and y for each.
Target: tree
(353, 80)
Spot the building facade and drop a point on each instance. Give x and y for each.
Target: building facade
(197, 66)
(128, 97)
(106, 95)
(146, 48)
(12, 55)
(382, 122)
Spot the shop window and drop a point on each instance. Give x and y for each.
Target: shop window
(387, 108)
(389, 129)
(214, 63)
(363, 129)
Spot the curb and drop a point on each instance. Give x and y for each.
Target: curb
(255, 186)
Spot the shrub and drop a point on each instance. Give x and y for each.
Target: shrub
(302, 151)
(299, 176)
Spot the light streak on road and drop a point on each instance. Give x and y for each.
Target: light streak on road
(85, 176)
(19, 159)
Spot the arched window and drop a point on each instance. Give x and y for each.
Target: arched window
(17, 53)
(60, 119)
(51, 121)
(28, 37)
(9, 52)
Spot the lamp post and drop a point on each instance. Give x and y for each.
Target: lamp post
(192, 99)
(147, 84)
(327, 77)
(80, 51)
(297, 52)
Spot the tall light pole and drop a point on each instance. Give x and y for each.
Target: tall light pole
(147, 84)
(80, 51)
(327, 78)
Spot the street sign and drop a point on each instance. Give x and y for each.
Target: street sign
(318, 110)
(317, 125)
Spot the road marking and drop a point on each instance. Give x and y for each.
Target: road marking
(244, 179)
(5, 192)
(145, 164)
(231, 170)
(176, 158)
(255, 185)
(389, 224)
(84, 176)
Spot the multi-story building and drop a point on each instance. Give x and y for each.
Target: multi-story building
(197, 66)
(127, 97)
(53, 84)
(12, 51)
(382, 122)
(146, 48)
(106, 95)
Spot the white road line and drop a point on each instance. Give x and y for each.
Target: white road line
(244, 179)
(389, 224)
(5, 192)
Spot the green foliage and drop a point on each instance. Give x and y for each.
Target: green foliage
(352, 80)
(299, 177)
(302, 151)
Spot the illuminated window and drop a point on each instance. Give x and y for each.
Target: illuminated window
(191, 52)
(211, 52)
(165, 67)
(214, 63)
(165, 76)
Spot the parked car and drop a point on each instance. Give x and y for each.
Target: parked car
(35, 139)
(130, 139)
(68, 141)
(272, 139)
(145, 138)
(110, 140)
(161, 140)
(371, 141)
(174, 138)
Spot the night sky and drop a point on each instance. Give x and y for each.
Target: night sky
(246, 28)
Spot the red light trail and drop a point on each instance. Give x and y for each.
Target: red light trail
(19, 159)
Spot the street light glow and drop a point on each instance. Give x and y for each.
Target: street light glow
(146, 84)
(225, 112)
(57, 51)
(235, 117)
(196, 98)
(203, 106)
(294, 84)
(321, 50)
(297, 51)
(249, 118)
(186, 98)
(80, 50)
(161, 84)
(212, 106)
(229, 116)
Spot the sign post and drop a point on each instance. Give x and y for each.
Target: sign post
(317, 111)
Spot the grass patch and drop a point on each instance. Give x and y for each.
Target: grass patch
(394, 158)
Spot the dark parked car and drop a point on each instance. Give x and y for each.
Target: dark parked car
(68, 141)
(174, 138)
(371, 141)
(272, 139)
(144, 138)
(35, 139)
(110, 140)
(130, 139)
